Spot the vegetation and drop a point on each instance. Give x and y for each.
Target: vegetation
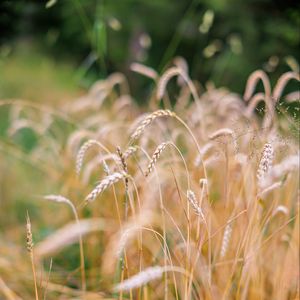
(128, 170)
(216, 37)
(197, 200)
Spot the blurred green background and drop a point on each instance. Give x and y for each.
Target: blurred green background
(66, 44)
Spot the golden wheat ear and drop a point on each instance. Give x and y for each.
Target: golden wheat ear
(104, 184)
(265, 163)
(29, 245)
(155, 157)
(148, 120)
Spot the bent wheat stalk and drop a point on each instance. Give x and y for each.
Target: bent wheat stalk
(149, 274)
(144, 70)
(62, 199)
(282, 82)
(171, 72)
(83, 149)
(252, 83)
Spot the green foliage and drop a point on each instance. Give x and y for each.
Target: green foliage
(223, 41)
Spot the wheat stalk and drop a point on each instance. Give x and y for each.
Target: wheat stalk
(69, 235)
(148, 120)
(252, 83)
(122, 160)
(293, 96)
(282, 82)
(269, 189)
(223, 132)
(163, 81)
(129, 151)
(145, 276)
(29, 244)
(83, 149)
(105, 167)
(124, 165)
(204, 150)
(171, 72)
(62, 199)
(194, 203)
(144, 70)
(265, 163)
(280, 209)
(253, 103)
(29, 241)
(226, 239)
(140, 279)
(104, 184)
(160, 148)
(182, 64)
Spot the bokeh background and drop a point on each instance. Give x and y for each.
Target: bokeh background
(68, 44)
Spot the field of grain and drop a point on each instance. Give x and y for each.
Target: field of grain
(195, 197)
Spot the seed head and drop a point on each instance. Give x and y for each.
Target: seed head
(148, 120)
(194, 203)
(104, 184)
(155, 157)
(29, 241)
(265, 163)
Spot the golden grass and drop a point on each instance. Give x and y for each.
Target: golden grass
(217, 219)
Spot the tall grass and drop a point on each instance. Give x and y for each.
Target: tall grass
(213, 216)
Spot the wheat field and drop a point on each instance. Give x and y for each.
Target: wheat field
(195, 197)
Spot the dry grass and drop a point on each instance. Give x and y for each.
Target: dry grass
(217, 219)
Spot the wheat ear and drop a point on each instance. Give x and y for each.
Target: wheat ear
(29, 244)
(129, 151)
(148, 120)
(195, 204)
(226, 132)
(83, 149)
(149, 274)
(265, 163)
(160, 148)
(140, 279)
(104, 184)
(124, 165)
(226, 239)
